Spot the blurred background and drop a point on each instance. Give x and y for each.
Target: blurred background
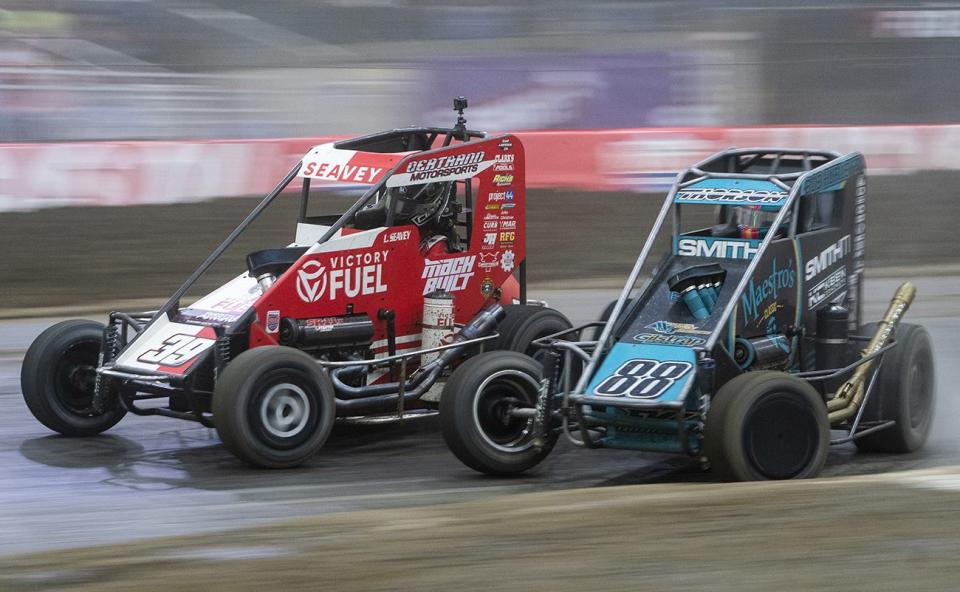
(237, 90)
(177, 69)
(135, 134)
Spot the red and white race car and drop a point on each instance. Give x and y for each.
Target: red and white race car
(365, 313)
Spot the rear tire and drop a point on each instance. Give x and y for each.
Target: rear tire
(473, 413)
(604, 316)
(274, 407)
(766, 425)
(904, 392)
(58, 377)
(524, 323)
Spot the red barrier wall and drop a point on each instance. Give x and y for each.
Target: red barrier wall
(36, 176)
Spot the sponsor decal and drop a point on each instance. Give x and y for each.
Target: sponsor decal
(491, 216)
(351, 275)
(505, 144)
(490, 225)
(492, 206)
(833, 175)
(489, 260)
(859, 242)
(323, 324)
(441, 168)
(827, 258)
(394, 237)
(273, 321)
(486, 287)
(656, 338)
(502, 180)
(642, 379)
(720, 195)
(489, 239)
(176, 350)
(444, 162)
(507, 237)
(827, 287)
(451, 274)
(311, 281)
(506, 261)
(508, 205)
(209, 316)
(224, 310)
(717, 248)
(501, 196)
(754, 298)
(508, 225)
(503, 163)
(669, 328)
(341, 172)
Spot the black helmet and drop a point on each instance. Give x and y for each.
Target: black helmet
(421, 203)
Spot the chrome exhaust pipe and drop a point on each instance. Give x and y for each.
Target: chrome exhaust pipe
(850, 395)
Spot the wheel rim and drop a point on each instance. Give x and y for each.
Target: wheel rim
(919, 391)
(284, 410)
(781, 436)
(75, 377)
(496, 396)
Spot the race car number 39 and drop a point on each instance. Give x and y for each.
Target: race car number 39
(176, 350)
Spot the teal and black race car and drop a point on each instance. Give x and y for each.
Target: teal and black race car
(745, 346)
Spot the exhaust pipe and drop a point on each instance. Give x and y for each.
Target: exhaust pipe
(850, 394)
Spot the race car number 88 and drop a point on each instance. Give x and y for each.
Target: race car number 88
(644, 379)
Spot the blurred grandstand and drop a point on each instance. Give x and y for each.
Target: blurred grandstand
(174, 69)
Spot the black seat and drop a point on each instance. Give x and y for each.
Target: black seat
(273, 261)
(369, 218)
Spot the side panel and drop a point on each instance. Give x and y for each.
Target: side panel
(769, 303)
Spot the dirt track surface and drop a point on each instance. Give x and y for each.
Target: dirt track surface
(71, 256)
(899, 531)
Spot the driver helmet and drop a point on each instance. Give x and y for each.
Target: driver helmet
(754, 221)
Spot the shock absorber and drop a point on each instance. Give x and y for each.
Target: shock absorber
(109, 348)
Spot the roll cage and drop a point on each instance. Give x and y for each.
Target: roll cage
(796, 172)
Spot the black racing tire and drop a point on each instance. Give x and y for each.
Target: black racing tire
(274, 407)
(904, 392)
(523, 324)
(472, 413)
(766, 425)
(604, 315)
(58, 376)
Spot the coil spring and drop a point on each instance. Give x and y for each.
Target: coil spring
(222, 355)
(108, 351)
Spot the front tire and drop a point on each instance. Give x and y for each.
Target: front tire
(904, 392)
(274, 407)
(474, 413)
(58, 376)
(766, 425)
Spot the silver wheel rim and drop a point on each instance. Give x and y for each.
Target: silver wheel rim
(512, 446)
(284, 410)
